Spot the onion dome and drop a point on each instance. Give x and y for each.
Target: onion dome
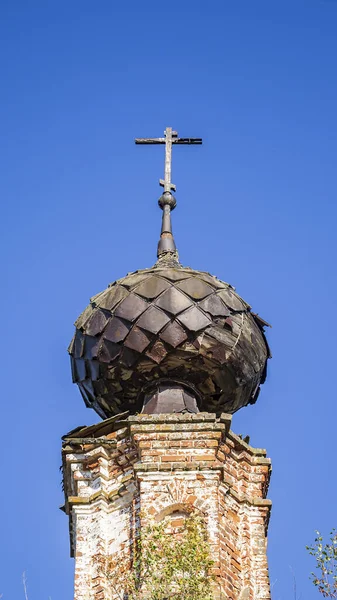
(168, 339)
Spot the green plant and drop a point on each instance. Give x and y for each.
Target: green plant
(164, 566)
(325, 554)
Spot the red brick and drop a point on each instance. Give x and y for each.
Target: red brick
(198, 457)
(172, 458)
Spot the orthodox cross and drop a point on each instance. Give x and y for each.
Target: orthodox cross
(171, 137)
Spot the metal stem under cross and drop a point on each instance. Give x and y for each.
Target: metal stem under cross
(171, 137)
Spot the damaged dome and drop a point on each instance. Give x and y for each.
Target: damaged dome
(168, 323)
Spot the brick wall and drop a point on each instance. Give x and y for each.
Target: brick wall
(154, 467)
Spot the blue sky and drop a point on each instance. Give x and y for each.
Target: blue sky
(256, 206)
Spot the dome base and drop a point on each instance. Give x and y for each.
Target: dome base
(170, 397)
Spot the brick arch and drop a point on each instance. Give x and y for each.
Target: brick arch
(182, 507)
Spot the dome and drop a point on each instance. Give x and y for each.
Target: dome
(168, 323)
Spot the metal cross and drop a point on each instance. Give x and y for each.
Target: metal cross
(171, 137)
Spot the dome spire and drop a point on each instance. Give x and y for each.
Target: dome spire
(167, 201)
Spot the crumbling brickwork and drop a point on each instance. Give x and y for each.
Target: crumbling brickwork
(122, 475)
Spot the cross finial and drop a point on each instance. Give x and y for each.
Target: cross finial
(171, 137)
(167, 201)
(166, 182)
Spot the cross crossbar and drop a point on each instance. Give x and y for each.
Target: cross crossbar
(163, 141)
(171, 137)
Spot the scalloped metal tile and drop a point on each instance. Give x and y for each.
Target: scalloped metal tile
(131, 307)
(173, 301)
(91, 345)
(152, 287)
(78, 347)
(129, 358)
(157, 352)
(79, 369)
(232, 300)
(84, 317)
(214, 306)
(117, 330)
(213, 281)
(108, 351)
(137, 339)
(174, 274)
(111, 297)
(93, 369)
(96, 322)
(130, 281)
(193, 319)
(195, 288)
(153, 319)
(174, 334)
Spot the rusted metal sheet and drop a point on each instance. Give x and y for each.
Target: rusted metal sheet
(84, 317)
(137, 339)
(151, 287)
(111, 297)
(174, 334)
(116, 330)
(131, 308)
(214, 306)
(153, 319)
(194, 319)
(96, 322)
(174, 274)
(173, 301)
(108, 351)
(91, 346)
(195, 288)
(78, 347)
(167, 397)
(232, 300)
(157, 352)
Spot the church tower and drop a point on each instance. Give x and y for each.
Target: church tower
(165, 356)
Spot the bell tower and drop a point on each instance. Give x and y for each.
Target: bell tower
(165, 356)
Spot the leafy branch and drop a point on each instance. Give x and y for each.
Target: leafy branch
(163, 566)
(325, 554)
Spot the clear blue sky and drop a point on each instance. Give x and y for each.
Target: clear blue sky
(256, 206)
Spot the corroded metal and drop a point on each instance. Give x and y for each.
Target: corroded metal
(173, 324)
(169, 397)
(166, 242)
